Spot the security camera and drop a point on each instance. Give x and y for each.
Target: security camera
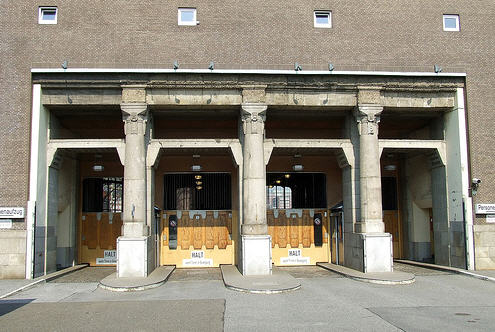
(476, 181)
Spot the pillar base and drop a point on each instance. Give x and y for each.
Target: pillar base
(132, 258)
(369, 252)
(256, 255)
(378, 255)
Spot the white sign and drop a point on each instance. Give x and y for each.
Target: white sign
(6, 223)
(198, 259)
(109, 257)
(485, 208)
(490, 218)
(294, 258)
(11, 212)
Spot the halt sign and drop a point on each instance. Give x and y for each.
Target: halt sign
(109, 257)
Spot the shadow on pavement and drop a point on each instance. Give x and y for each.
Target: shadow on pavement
(7, 306)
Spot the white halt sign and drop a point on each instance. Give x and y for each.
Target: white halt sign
(198, 259)
(11, 212)
(109, 257)
(485, 208)
(294, 258)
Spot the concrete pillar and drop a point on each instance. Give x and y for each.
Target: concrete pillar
(132, 245)
(371, 221)
(372, 246)
(256, 243)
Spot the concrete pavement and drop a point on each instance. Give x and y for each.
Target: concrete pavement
(437, 301)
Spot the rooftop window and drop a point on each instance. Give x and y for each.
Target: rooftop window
(187, 16)
(47, 15)
(451, 23)
(322, 19)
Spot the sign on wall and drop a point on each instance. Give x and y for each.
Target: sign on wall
(490, 218)
(198, 259)
(294, 257)
(11, 212)
(109, 257)
(485, 208)
(5, 223)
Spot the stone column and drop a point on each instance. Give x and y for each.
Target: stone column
(373, 244)
(371, 221)
(132, 245)
(256, 244)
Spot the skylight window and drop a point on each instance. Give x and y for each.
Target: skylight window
(47, 15)
(322, 19)
(187, 16)
(451, 23)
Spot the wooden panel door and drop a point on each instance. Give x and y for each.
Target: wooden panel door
(392, 226)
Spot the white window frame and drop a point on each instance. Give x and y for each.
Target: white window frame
(322, 12)
(40, 15)
(179, 16)
(457, 22)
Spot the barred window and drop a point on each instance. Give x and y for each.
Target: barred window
(295, 190)
(103, 194)
(197, 191)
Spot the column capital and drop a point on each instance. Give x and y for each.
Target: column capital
(368, 117)
(135, 116)
(253, 117)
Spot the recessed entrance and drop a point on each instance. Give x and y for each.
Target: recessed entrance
(100, 220)
(198, 215)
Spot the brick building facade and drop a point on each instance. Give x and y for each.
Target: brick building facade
(432, 131)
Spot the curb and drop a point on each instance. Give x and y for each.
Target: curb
(131, 289)
(144, 283)
(45, 278)
(446, 269)
(372, 280)
(260, 291)
(234, 284)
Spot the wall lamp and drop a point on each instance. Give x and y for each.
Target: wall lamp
(297, 67)
(176, 64)
(475, 183)
(437, 69)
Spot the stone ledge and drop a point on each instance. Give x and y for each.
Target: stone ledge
(474, 274)
(277, 282)
(383, 278)
(45, 278)
(155, 279)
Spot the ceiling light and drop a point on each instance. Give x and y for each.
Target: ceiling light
(297, 167)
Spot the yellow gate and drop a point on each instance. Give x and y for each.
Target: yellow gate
(98, 237)
(196, 238)
(293, 236)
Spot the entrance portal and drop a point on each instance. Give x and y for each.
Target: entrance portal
(196, 224)
(101, 220)
(298, 221)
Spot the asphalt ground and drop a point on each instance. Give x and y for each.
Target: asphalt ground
(196, 301)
